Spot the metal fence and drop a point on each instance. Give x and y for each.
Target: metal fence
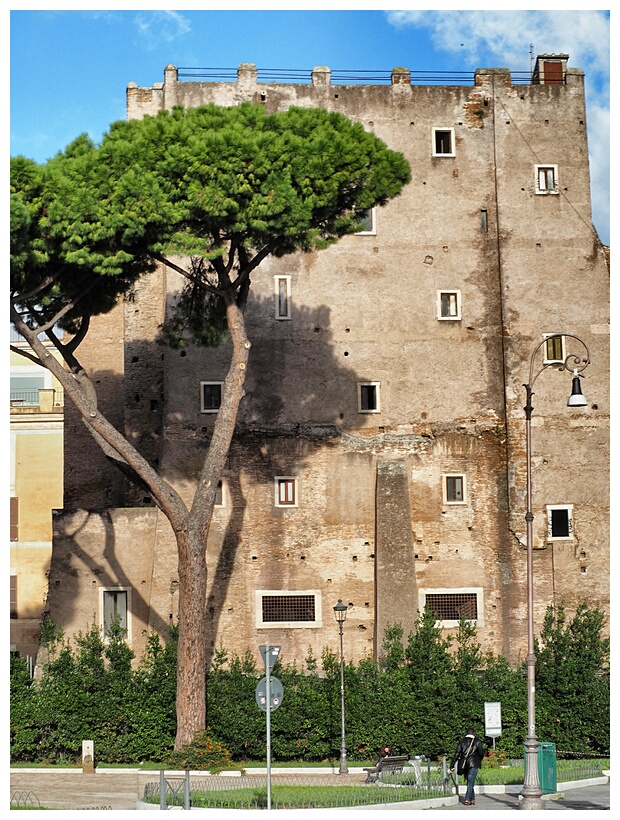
(289, 791)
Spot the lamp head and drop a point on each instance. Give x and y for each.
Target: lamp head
(576, 398)
(340, 611)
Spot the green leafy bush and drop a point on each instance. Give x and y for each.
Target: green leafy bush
(202, 754)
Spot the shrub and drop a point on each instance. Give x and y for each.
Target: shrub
(202, 754)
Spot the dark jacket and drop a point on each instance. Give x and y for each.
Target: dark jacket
(474, 759)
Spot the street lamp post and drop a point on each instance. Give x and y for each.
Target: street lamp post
(340, 612)
(532, 793)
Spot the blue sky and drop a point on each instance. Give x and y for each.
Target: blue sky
(70, 69)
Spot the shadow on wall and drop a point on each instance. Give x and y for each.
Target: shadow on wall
(299, 396)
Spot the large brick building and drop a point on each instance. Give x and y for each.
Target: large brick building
(380, 450)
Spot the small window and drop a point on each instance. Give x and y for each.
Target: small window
(546, 179)
(14, 518)
(283, 297)
(210, 396)
(484, 221)
(114, 605)
(560, 522)
(221, 493)
(288, 609)
(368, 222)
(555, 349)
(13, 596)
(443, 142)
(286, 491)
(368, 397)
(450, 605)
(449, 304)
(454, 489)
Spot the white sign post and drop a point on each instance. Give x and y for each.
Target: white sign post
(492, 720)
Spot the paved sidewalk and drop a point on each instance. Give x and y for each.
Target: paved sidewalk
(123, 788)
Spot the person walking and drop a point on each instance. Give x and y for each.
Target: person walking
(468, 759)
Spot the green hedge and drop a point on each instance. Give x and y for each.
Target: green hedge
(420, 697)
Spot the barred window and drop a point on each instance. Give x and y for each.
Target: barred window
(454, 606)
(450, 605)
(301, 608)
(288, 608)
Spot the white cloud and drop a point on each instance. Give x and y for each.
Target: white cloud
(505, 39)
(157, 27)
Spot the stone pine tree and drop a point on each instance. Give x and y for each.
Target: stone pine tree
(220, 189)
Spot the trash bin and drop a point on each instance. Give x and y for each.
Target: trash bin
(547, 768)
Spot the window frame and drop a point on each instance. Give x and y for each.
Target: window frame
(538, 169)
(224, 495)
(372, 230)
(13, 596)
(258, 605)
(444, 485)
(569, 508)
(103, 591)
(377, 389)
(209, 410)
(437, 130)
(451, 624)
(277, 482)
(562, 340)
(278, 279)
(447, 292)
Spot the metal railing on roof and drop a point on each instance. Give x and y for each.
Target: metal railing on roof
(341, 77)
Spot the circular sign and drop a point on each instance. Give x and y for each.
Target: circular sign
(276, 693)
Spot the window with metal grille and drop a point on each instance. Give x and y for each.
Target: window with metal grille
(293, 608)
(210, 396)
(453, 606)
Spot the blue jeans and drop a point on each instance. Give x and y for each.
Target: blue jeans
(472, 774)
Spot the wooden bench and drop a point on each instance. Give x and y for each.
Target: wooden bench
(389, 765)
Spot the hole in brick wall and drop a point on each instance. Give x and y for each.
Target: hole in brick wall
(183, 354)
(134, 359)
(355, 557)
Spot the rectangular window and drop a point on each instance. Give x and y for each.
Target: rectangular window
(368, 222)
(13, 596)
(220, 494)
(210, 396)
(443, 142)
(555, 349)
(114, 605)
(448, 304)
(454, 489)
(288, 609)
(560, 522)
(14, 518)
(450, 605)
(285, 491)
(368, 397)
(546, 179)
(484, 221)
(283, 297)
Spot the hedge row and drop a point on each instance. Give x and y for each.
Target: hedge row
(420, 697)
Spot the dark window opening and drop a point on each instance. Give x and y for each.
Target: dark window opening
(560, 524)
(368, 397)
(443, 142)
(454, 488)
(211, 396)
